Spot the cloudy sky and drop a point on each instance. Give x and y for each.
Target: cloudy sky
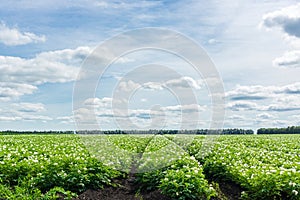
(255, 46)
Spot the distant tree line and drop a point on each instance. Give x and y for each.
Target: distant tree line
(288, 130)
(153, 132)
(163, 132)
(10, 132)
(233, 131)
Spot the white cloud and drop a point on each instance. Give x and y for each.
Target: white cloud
(42, 118)
(97, 102)
(267, 98)
(21, 76)
(53, 66)
(128, 86)
(10, 90)
(289, 59)
(102, 105)
(231, 27)
(66, 119)
(29, 107)
(5, 118)
(280, 123)
(288, 19)
(212, 41)
(24, 111)
(291, 88)
(125, 5)
(236, 117)
(284, 102)
(13, 37)
(242, 106)
(153, 86)
(255, 92)
(185, 108)
(287, 99)
(295, 119)
(67, 56)
(101, 108)
(35, 71)
(264, 116)
(181, 83)
(259, 92)
(184, 82)
(293, 106)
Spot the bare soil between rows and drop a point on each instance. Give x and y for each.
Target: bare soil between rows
(128, 190)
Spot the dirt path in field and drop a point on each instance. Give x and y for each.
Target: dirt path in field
(128, 188)
(228, 191)
(127, 191)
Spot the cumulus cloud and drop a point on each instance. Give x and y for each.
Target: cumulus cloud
(21, 76)
(259, 92)
(65, 119)
(34, 71)
(284, 102)
(152, 86)
(212, 41)
(12, 36)
(185, 108)
(126, 5)
(290, 89)
(9, 118)
(255, 92)
(264, 116)
(295, 119)
(184, 82)
(102, 109)
(181, 83)
(236, 117)
(275, 98)
(128, 86)
(280, 123)
(103, 105)
(24, 111)
(282, 108)
(98, 102)
(289, 59)
(287, 99)
(42, 118)
(242, 106)
(29, 107)
(288, 19)
(67, 56)
(10, 91)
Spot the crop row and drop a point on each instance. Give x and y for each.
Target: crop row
(266, 167)
(38, 166)
(31, 167)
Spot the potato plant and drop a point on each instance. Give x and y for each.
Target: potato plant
(40, 166)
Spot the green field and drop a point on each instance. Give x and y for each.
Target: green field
(56, 166)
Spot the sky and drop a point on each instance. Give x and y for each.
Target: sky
(45, 46)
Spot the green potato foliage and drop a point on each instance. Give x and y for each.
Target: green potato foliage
(51, 166)
(39, 163)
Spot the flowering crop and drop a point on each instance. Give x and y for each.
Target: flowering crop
(38, 166)
(266, 167)
(38, 163)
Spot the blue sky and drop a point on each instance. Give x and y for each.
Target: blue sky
(255, 46)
